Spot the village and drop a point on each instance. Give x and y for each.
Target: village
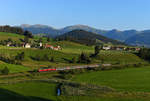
(121, 48)
(49, 46)
(38, 45)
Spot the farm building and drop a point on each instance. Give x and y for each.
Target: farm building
(26, 45)
(106, 47)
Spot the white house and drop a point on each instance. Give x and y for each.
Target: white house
(40, 44)
(106, 47)
(8, 44)
(27, 45)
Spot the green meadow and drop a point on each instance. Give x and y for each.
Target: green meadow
(130, 84)
(130, 79)
(69, 50)
(14, 37)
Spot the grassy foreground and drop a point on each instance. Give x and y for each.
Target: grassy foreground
(131, 79)
(33, 91)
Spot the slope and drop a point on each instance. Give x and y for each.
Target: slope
(85, 37)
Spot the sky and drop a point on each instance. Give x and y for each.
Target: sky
(101, 14)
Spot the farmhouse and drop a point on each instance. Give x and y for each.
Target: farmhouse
(40, 44)
(138, 49)
(49, 46)
(119, 48)
(106, 47)
(8, 44)
(57, 48)
(52, 47)
(27, 45)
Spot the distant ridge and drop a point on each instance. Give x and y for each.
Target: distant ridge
(123, 36)
(85, 37)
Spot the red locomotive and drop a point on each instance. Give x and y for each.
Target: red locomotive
(46, 69)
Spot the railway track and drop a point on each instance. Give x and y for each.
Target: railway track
(69, 68)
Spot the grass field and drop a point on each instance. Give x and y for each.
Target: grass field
(131, 79)
(14, 37)
(63, 57)
(39, 91)
(33, 91)
(14, 68)
(87, 98)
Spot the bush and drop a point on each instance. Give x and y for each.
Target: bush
(20, 56)
(52, 59)
(5, 71)
(66, 76)
(83, 58)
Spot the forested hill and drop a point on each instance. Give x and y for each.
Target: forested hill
(15, 30)
(142, 39)
(85, 37)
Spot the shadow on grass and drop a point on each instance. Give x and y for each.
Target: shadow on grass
(6, 95)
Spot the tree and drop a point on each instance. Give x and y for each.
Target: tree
(46, 57)
(40, 40)
(20, 56)
(83, 58)
(5, 71)
(52, 59)
(26, 39)
(48, 39)
(73, 60)
(10, 40)
(28, 34)
(144, 54)
(97, 49)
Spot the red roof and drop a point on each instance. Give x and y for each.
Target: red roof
(48, 45)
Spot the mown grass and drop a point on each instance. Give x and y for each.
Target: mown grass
(14, 37)
(87, 98)
(40, 91)
(69, 51)
(119, 57)
(33, 91)
(131, 79)
(14, 68)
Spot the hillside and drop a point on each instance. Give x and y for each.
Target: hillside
(140, 39)
(38, 29)
(85, 37)
(53, 32)
(14, 37)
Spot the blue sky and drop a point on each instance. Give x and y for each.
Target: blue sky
(102, 14)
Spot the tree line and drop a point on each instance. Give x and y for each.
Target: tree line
(144, 54)
(16, 30)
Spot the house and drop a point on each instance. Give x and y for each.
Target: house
(57, 48)
(49, 46)
(52, 47)
(40, 44)
(106, 47)
(27, 45)
(120, 48)
(138, 49)
(8, 44)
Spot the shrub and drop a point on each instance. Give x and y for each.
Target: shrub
(20, 56)
(83, 58)
(66, 76)
(5, 71)
(52, 59)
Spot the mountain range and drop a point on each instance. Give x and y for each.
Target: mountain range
(88, 38)
(131, 37)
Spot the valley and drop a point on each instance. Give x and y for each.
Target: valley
(36, 68)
